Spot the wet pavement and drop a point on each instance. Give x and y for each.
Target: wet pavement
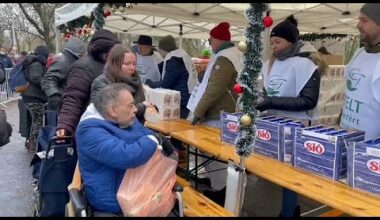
(15, 172)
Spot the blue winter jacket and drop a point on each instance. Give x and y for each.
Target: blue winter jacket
(105, 152)
(175, 78)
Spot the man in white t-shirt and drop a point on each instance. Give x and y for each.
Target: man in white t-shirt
(362, 96)
(147, 60)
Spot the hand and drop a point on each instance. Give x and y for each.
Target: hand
(148, 104)
(167, 146)
(263, 103)
(61, 133)
(195, 120)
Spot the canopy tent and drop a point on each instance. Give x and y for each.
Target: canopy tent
(159, 19)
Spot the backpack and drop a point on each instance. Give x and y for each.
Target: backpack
(17, 81)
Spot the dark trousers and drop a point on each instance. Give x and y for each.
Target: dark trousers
(25, 121)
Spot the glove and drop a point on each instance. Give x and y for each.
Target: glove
(53, 102)
(263, 103)
(149, 82)
(167, 146)
(195, 120)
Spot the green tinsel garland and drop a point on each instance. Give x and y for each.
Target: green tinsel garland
(247, 78)
(99, 16)
(320, 36)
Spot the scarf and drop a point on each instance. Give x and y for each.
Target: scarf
(291, 51)
(372, 48)
(225, 45)
(135, 87)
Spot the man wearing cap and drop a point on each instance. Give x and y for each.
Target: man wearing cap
(54, 81)
(214, 95)
(178, 72)
(147, 60)
(362, 73)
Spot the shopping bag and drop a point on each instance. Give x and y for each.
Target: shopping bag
(151, 115)
(147, 189)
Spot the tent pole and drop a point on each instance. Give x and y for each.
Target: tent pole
(180, 36)
(241, 187)
(57, 40)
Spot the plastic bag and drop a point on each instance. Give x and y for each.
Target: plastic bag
(151, 115)
(147, 189)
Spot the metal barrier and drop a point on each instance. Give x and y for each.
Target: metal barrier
(6, 94)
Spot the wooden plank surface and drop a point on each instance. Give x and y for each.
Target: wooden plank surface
(332, 193)
(196, 204)
(166, 127)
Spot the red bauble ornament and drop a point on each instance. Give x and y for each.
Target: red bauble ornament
(107, 13)
(238, 89)
(268, 21)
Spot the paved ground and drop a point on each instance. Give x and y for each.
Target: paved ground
(262, 198)
(16, 179)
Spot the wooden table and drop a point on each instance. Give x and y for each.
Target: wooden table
(332, 193)
(169, 126)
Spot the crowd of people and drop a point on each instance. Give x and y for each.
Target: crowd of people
(99, 97)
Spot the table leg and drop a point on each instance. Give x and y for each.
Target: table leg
(289, 203)
(196, 168)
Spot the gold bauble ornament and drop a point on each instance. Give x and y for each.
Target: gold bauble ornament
(121, 9)
(242, 46)
(245, 120)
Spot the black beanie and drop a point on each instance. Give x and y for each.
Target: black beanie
(42, 51)
(287, 29)
(102, 42)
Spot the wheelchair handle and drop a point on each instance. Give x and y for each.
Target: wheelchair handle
(65, 140)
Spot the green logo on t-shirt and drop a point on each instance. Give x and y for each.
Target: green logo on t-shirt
(275, 84)
(355, 77)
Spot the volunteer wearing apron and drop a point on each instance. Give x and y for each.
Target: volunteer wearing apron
(178, 72)
(147, 59)
(214, 95)
(362, 96)
(291, 82)
(291, 79)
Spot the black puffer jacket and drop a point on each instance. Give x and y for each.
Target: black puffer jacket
(34, 69)
(5, 128)
(54, 81)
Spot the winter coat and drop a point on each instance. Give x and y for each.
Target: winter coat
(54, 81)
(135, 87)
(34, 68)
(175, 78)
(77, 92)
(81, 75)
(5, 128)
(105, 152)
(218, 95)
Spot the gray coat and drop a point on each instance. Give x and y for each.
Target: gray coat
(135, 87)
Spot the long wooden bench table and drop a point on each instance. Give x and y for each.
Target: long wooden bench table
(169, 126)
(332, 193)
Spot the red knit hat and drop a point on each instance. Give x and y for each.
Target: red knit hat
(221, 31)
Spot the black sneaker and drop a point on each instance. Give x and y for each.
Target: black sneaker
(217, 196)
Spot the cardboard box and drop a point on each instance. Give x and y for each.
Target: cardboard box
(275, 137)
(169, 112)
(333, 59)
(321, 150)
(162, 97)
(229, 126)
(363, 166)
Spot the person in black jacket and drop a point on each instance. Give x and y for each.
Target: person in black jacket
(54, 81)
(34, 98)
(291, 77)
(178, 72)
(81, 75)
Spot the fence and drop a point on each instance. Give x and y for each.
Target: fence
(6, 93)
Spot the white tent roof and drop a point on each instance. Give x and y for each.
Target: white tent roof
(159, 19)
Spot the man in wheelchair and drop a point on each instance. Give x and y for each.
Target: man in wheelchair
(109, 141)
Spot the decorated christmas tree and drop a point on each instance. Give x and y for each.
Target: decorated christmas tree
(247, 85)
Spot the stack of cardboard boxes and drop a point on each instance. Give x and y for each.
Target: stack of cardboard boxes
(167, 101)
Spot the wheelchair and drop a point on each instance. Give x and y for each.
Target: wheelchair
(78, 205)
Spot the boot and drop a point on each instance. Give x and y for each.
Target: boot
(31, 145)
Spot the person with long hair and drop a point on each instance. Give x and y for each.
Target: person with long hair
(121, 68)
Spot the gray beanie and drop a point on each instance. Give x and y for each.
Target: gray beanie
(372, 10)
(75, 46)
(167, 43)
